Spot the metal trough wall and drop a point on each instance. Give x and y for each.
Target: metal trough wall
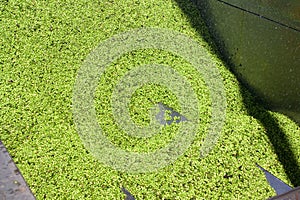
(262, 39)
(12, 183)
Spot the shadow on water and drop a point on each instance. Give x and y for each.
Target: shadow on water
(274, 133)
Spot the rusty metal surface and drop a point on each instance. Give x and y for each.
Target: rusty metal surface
(12, 183)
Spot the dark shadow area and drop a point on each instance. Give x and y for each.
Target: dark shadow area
(255, 107)
(275, 134)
